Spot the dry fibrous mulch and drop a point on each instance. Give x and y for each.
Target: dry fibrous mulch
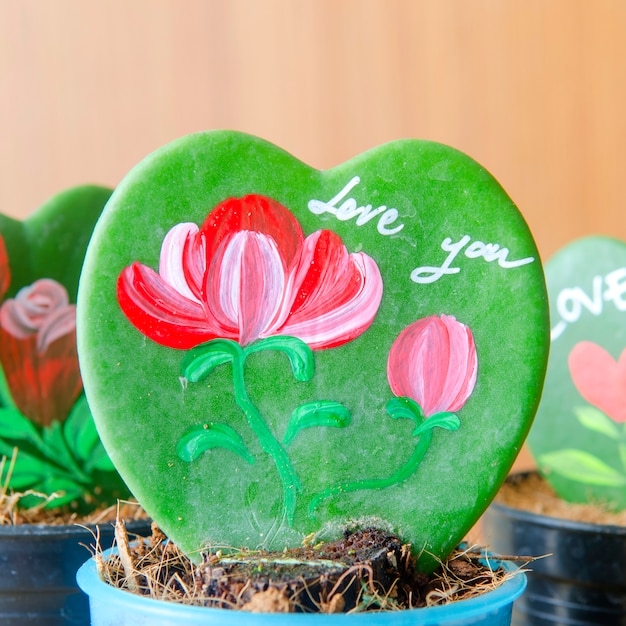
(12, 514)
(368, 569)
(530, 492)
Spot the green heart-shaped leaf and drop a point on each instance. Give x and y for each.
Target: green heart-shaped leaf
(407, 271)
(579, 436)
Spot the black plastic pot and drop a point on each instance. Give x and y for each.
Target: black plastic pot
(38, 566)
(582, 583)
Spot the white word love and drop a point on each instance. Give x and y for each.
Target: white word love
(488, 251)
(571, 301)
(349, 209)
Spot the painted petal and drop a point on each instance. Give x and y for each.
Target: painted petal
(257, 214)
(246, 283)
(335, 295)
(5, 273)
(599, 378)
(182, 262)
(60, 322)
(433, 361)
(44, 386)
(28, 311)
(157, 310)
(463, 365)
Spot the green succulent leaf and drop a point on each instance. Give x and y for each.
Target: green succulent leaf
(203, 437)
(582, 467)
(318, 413)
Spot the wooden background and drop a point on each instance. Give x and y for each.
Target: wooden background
(535, 90)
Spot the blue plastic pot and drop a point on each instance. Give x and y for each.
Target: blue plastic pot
(38, 565)
(115, 607)
(582, 583)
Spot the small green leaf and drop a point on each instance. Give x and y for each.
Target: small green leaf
(203, 437)
(5, 395)
(593, 419)
(402, 407)
(13, 425)
(300, 355)
(582, 467)
(80, 431)
(26, 471)
(99, 460)
(200, 361)
(445, 420)
(318, 413)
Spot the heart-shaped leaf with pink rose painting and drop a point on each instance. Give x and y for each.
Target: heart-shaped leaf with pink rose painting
(579, 436)
(272, 351)
(47, 436)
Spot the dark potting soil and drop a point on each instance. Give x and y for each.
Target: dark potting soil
(530, 492)
(367, 569)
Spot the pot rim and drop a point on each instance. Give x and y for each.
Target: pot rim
(63, 530)
(549, 521)
(91, 584)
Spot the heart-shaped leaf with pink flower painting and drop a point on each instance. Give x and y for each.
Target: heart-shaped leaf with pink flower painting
(579, 437)
(272, 351)
(48, 441)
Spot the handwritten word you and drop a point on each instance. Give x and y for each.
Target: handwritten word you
(349, 209)
(488, 251)
(572, 301)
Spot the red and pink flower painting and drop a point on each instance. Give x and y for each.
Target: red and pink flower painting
(43, 414)
(249, 273)
(249, 280)
(38, 351)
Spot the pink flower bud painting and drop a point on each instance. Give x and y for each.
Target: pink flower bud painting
(38, 351)
(433, 361)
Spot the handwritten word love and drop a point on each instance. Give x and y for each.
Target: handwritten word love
(572, 300)
(349, 209)
(488, 251)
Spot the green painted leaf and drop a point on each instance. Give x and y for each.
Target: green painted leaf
(199, 362)
(596, 420)
(99, 460)
(13, 425)
(80, 431)
(300, 355)
(405, 408)
(582, 467)
(201, 438)
(26, 472)
(445, 420)
(318, 413)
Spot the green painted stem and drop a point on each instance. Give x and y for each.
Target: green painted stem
(269, 444)
(378, 483)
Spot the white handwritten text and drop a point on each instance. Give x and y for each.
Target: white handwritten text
(489, 251)
(349, 209)
(572, 300)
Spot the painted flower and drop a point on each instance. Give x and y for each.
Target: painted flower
(38, 351)
(599, 378)
(433, 361)
(5, 273)
(249, 273)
